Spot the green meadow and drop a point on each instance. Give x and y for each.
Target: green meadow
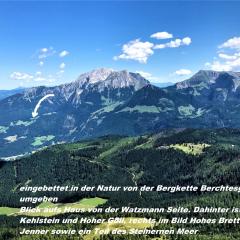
(85, 204)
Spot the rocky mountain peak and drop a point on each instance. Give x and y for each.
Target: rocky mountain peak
(95, 76)
(96, 80)
(207, 77)
(122, 79)
(202, 76)
(108, 78)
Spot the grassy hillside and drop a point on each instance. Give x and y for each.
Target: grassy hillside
(84, 204)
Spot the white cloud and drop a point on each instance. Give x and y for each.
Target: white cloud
(218, 66)
(136, 50)
(41, 63)
(233, 56)
(174, 43)
(229, 58)
(39, 79)
(226, 56)
(141, 51)
(62, 65)
(63, 53)
(46, 52)
(144, 74)
(233, 43)
(51, 78)
(186, 41)
(148, 76)
(38, 73)
(235, 64)
(161, 35)
(231, 65)
(160, 46)
(183, 72)
(45, 79)
(21, 76)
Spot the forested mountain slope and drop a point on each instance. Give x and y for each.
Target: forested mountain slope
(169, 158)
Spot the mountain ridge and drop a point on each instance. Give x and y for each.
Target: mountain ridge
(8, 93)
(206, 76)
(120, 103)
(96, 79)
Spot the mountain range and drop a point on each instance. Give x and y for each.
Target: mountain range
(105, 101)
(7, 93)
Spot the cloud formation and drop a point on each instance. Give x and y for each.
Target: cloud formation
(140, 51)
(136, 50)
(229, 56)
(21, 76)
(64, 53)
(174, 43)
(161, 35)
(62, 65)
(37, 77)
(46, 52)
(233, 43)
(183, 72)
(148, 76)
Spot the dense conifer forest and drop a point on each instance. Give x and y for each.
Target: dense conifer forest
(169, 158)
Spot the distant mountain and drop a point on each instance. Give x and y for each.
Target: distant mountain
(208, 77)
(105, 101)
(7, 93)
(207, 100)
(62, 117)
(162, 85)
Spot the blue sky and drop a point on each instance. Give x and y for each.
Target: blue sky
(49, 43)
